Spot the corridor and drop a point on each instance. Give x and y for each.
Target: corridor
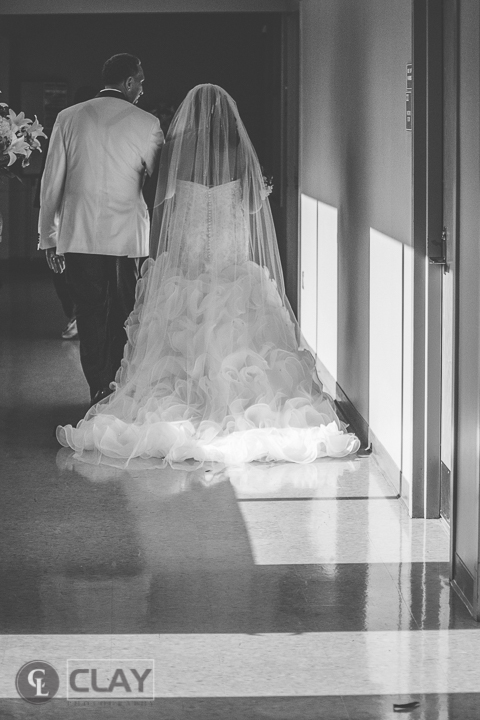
(259, 592)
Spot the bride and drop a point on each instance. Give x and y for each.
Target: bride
(215, 367)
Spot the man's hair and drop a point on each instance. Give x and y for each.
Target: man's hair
(119, 67)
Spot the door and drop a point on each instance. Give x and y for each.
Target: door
(449, 251)
(428, 262)
(451, 469)
(462, 219)
(441, 214)
(435, 169)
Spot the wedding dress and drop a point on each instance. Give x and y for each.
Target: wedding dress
(215, 367)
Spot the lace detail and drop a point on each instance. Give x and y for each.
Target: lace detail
(214, 232)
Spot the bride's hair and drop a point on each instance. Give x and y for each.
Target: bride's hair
(205, 127)
(207, 105)
(210, 114)
(207, 144)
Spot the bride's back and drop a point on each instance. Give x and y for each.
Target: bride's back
(210, 144)
(211, 209)
(208, 229)
(209, 233)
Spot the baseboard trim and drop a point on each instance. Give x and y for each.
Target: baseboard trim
(405, 491)
(351, 416)
(463, 583)
(386, 463)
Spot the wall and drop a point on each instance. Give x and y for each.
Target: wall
(468, 451)
(356, 159)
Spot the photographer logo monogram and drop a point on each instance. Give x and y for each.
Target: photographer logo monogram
(37, 682)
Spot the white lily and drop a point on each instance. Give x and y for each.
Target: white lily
(19, 122)
(19, 146)
(19, 134)
(36, 130)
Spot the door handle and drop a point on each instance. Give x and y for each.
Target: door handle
(441, 258)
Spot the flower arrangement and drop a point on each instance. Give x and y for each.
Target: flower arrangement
(18, 138)
(268, 184)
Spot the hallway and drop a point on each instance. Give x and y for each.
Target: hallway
(279, 592)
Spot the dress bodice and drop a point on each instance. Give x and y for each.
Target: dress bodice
(211, 230)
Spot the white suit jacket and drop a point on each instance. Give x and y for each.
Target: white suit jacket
(91, 199)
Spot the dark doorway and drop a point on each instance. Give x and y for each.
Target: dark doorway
(242, 52)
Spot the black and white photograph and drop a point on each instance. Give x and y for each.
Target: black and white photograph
(239, 359)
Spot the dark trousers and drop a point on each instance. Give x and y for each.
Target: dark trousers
(102, 288)
(63, 293)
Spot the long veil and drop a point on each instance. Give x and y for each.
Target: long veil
(208, 145)
(215, 367)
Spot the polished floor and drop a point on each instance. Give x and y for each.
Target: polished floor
(277, 592)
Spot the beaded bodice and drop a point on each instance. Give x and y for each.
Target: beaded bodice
(213, 233)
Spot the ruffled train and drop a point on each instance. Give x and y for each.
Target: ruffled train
(213, 372)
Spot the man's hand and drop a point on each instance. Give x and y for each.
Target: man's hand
(55, 262)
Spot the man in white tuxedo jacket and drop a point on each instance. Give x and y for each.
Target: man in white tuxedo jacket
(94, 221)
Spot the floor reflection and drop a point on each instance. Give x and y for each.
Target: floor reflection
(270, 479)
(130, 551)
(90, 548)
(254, 559)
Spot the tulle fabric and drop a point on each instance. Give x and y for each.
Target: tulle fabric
(215, 368)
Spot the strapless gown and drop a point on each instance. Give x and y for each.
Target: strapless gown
(215, 367)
